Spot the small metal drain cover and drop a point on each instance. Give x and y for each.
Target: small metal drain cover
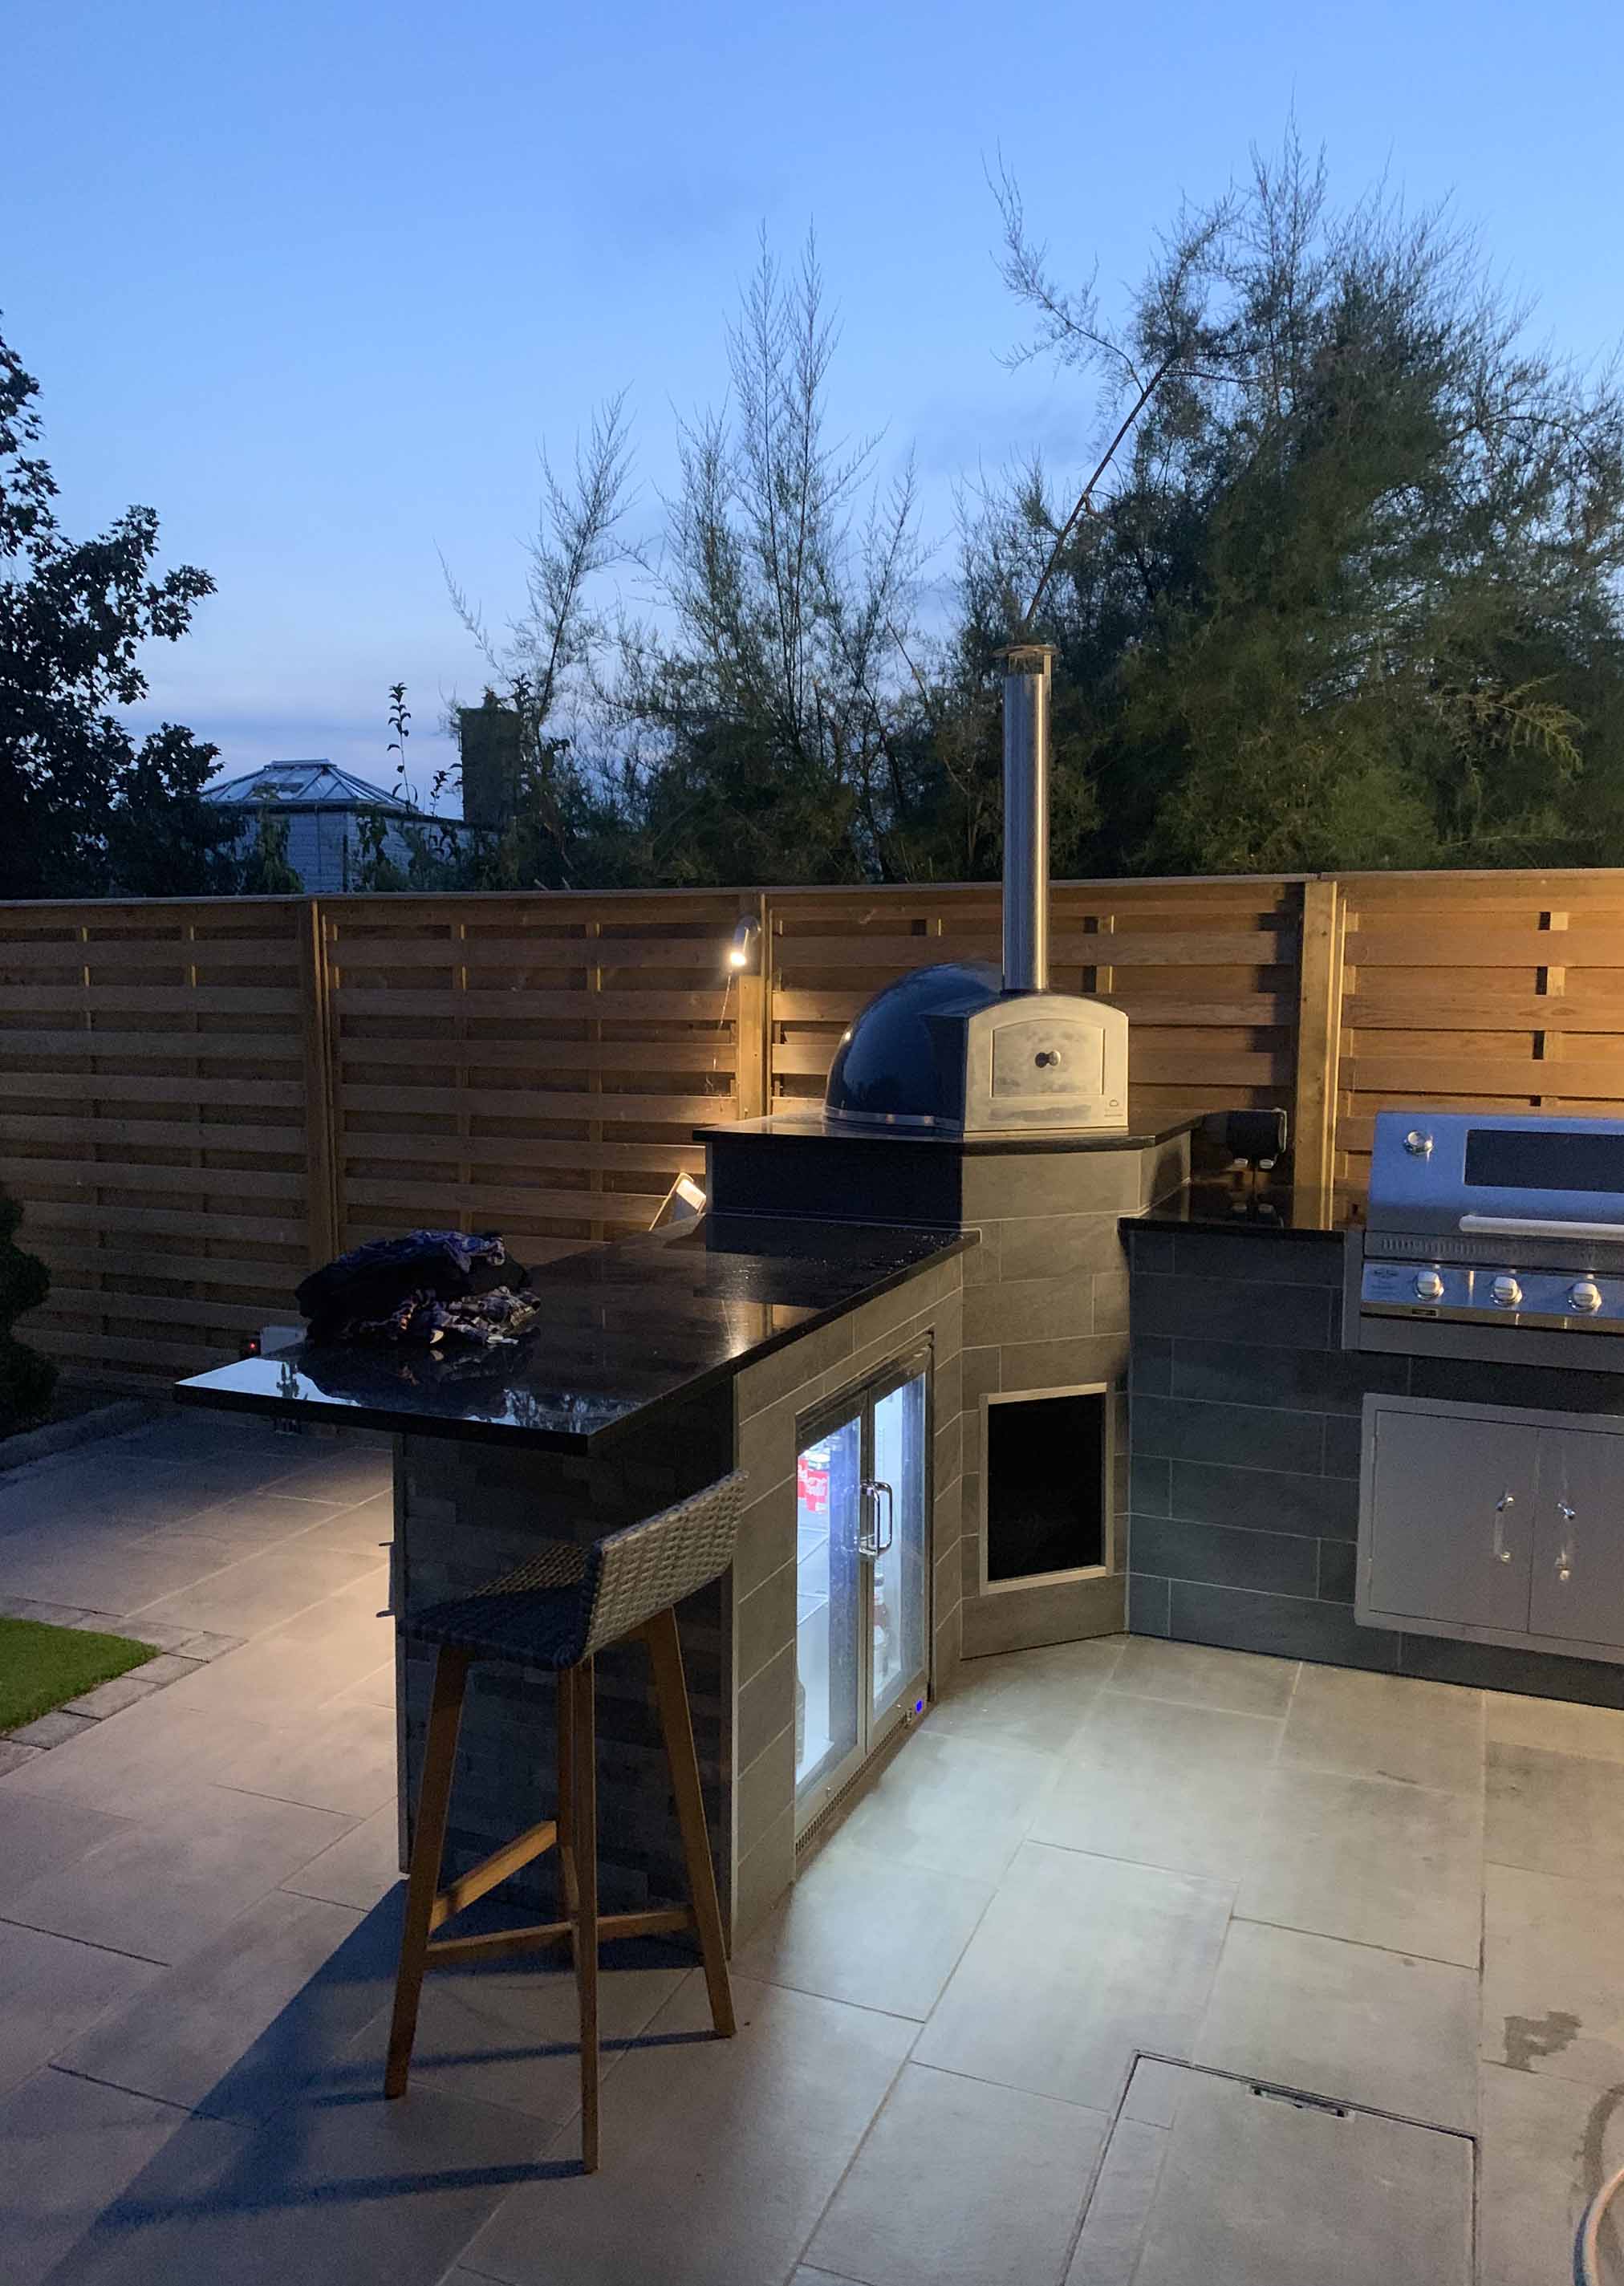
(1212, 2180)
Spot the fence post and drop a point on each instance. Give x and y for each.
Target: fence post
(323, 1210)
(753, 1073)
(1318, 1040)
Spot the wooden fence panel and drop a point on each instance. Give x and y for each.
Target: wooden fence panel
(1475, 992)
(535, 1064)
(153, 1082)
(1206, 971)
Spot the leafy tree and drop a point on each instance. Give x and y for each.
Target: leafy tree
(1350, 597)
(266, 871)
(85, 809)
(565, 830)
(27, 1379)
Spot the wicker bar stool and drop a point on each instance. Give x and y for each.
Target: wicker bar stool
(555, 1611)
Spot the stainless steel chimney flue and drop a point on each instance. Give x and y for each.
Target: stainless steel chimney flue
(1026, 817)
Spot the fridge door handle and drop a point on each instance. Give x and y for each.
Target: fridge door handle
(867, 1529)
(880, 1486)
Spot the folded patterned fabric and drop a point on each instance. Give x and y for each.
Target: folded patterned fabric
(484, 1321)
(368, 1284)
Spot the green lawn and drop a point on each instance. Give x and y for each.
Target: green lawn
(40, 1667)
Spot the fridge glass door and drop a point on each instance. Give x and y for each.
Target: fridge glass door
(830, 1506)
(900, 1480)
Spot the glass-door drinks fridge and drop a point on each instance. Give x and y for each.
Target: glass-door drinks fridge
(862, 1506)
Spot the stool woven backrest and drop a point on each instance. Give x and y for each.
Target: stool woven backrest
(651, 1565)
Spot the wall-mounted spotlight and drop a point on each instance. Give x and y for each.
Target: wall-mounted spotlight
(745, 952)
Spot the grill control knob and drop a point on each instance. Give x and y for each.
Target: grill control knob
(1418, 1146)
(1505, 1292)
(1584, 1294)
(1429, 1286)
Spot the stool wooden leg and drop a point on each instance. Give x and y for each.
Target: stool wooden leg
(569, 1896)
(584, 1827)
(422, 1883)
(676, 1727)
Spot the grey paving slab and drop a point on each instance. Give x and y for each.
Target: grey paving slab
(160, 1890)
(1078, 1963)
(50, 1990)
(1553, 1995)
(143, 1763)
(13, 1756)
(72, 2147)
(359, 1868)
(161, 1638)
(1548, 2145)
(113, 1696)
(1556, 1813)
(1119, 2205)
(302, 1971)
(1345, 2020)
(1163, 1784)
(248, 1520)
(339, 1758)
(857, 1926)
(721, 2155)
(1038, 1699)
(1375, 1860)
(1200, 1676)
(40, 1835)
(327, 2194)
(953, 1805)
(962, 2184)
(509, 2035)
(367, 1526)
(120, 1580)
(53, 1729)
(1386, 1726)
(289, 1672)
(1558, 1726)
(258, 1592)
(1255, 2191)
(345, 1472)
(376, 1688)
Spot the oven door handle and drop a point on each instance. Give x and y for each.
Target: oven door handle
(1533, 1226)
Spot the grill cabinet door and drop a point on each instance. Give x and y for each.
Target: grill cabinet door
(1452, 1519)
(1578, 1537)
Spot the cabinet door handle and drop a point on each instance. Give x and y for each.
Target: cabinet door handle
(1564, 1554)
(1502, 1554)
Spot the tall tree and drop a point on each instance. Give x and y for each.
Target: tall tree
(85, 807)
(1349, 595)
(777, 728)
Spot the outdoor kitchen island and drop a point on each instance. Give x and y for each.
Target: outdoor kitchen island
(659, 1363)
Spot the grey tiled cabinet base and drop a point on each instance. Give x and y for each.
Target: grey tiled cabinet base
(1243, 1482)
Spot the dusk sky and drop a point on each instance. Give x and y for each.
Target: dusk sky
(316, 281)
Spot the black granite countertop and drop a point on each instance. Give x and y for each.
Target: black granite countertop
(1255, 1208)
(1141, 1134)
(626, 1328)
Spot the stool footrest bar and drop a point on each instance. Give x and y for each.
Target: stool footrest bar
(448, 1950)
(483, 1877)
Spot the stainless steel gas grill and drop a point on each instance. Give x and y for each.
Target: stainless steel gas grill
(1490, 1495)
(1498, 1236)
